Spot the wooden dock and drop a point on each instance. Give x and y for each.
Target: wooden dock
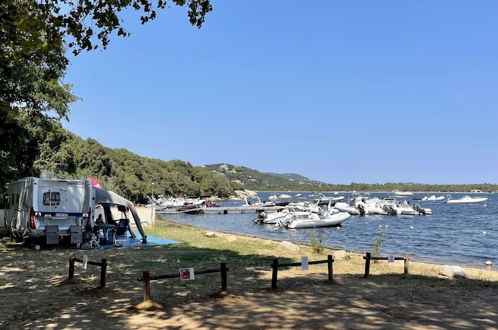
(221, 210)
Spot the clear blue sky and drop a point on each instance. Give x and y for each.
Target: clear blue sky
(339, 91)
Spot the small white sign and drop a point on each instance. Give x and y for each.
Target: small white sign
(187, 274)
(85, 261)
(390, 259)
(304, 263)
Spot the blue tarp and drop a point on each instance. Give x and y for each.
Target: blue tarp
(123, 241)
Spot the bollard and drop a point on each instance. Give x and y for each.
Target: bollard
(223, 276)
(274, 275)
(71, 267)
(146, 278)
(367, 264)
(330, 268)
(103, 269)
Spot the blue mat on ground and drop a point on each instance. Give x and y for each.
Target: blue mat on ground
(124, 241)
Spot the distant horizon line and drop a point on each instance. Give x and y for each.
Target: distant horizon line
(352, 182)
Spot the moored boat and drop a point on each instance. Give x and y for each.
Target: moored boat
(467, 200)
(402, 193)
(313, 220)
(432, 198)
(345, 207)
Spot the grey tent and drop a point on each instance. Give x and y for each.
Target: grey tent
(108, 198)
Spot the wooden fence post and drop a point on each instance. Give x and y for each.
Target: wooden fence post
(71, 267)
(330, 267)
(407, 264)
(146, 278)
(367, 264)
(274, 275)
(223, 276)
(103, 269)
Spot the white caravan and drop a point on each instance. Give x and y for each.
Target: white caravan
(35, 207)
(33, 203)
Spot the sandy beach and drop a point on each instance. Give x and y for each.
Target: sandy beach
(35, 293)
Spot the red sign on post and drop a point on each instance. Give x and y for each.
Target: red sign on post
(187, 274)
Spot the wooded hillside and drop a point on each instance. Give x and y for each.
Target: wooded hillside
(254, 180)
(132, 176)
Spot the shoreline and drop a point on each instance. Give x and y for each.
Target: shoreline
(421, 260)
(304, 299)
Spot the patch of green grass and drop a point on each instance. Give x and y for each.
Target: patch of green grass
(197, 248)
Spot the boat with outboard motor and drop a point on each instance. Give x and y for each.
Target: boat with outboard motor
(345, 207)
(467, 200)
(297, 207)
(387, 206)
(300, 220)
(258, 203)
(324, 200)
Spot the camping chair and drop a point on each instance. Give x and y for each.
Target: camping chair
(121, 230)
(122, 227)
(89, 238)
(106, 234)
(94, 241)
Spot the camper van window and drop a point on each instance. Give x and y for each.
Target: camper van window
(51, 198)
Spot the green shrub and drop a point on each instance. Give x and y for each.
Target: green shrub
(316, 241)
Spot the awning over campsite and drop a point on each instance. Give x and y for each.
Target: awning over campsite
(108, 198)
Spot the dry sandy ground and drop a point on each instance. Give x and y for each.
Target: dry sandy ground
(33, 294)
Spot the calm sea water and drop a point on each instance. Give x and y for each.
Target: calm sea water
(465, 234)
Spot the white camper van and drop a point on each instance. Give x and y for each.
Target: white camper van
(49, 210)
(31, 204)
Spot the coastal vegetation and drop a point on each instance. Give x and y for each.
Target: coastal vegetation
(316, 241)
(255, 180)
(377, 244)
(135, 177)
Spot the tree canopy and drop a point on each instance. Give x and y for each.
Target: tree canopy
(35, 37)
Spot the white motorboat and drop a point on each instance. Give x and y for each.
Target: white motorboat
(170, 202)
(258, 203)
(284, 196)
(276, 217)
(273, 218)
(313, 220)
(432, 198)
(345, 207)
(273, 198)
(467, 200)
(406, 209)
(403, 193)
(373, 206)
(393, 207)
(322, 200)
